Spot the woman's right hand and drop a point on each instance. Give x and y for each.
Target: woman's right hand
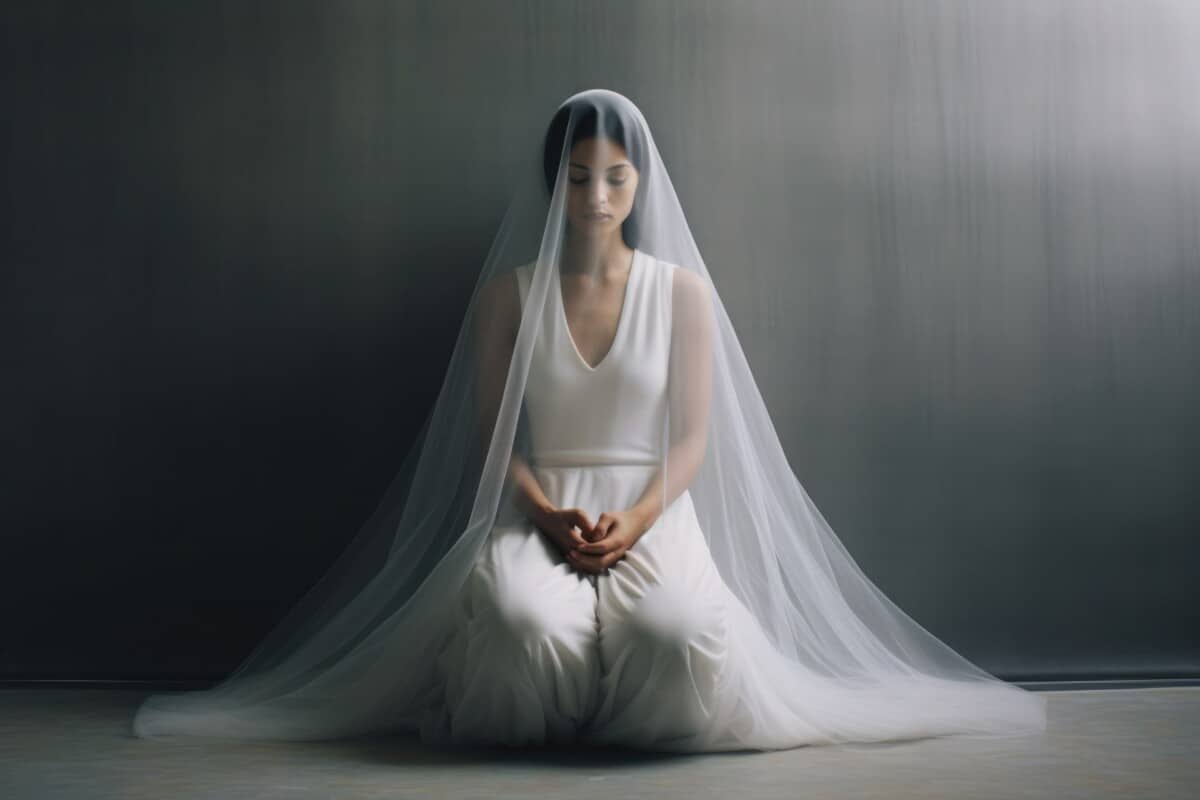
(566, 527)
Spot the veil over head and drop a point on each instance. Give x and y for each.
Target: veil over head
(356, 655)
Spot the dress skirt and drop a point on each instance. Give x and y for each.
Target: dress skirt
(657, 653)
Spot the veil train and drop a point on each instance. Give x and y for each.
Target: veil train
(834, 659)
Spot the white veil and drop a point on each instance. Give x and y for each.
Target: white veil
(357, 654)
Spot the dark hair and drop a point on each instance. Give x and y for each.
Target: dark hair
(588, 122)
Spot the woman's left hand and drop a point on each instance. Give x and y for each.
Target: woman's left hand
(613, 534)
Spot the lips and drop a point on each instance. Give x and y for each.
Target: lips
(598, 216)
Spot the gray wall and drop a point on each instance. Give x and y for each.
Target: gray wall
(959, 242)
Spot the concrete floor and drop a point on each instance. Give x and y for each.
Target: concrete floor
(1127, 743)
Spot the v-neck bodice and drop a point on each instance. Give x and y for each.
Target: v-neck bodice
(630, 283)
(614, 412)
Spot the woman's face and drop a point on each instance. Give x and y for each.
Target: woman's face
(601, 182)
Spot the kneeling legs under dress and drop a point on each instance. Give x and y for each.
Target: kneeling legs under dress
(545, 653)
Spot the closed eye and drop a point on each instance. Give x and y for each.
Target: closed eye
(612, 181)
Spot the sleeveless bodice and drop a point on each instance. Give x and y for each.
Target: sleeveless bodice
(615, 412)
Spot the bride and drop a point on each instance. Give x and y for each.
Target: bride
(597, 537)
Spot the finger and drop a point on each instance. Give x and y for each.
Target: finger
(603, 526)
(563, 535)
(586, 562)
(605, 545)
(589, 533)
(579, 519)
(602, 563)
(609, 559)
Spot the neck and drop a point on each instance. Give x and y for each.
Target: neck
(594, 256)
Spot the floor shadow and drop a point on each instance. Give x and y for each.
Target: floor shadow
(402, 749)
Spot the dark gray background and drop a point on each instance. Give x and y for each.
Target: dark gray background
(959, 242)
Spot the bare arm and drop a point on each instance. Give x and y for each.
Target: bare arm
(690, 392)
(494, 337)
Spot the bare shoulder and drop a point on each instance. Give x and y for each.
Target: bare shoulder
(688, 288)
(499, 300)
(500, 292)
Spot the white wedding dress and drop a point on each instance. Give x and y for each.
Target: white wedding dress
(656, 653)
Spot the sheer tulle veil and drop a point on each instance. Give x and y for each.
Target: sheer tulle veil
(356, 655)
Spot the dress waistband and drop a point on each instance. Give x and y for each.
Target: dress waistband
(564, 460)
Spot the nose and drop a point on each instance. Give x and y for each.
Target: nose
(598, 195)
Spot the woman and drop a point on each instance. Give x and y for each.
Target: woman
(565, 626)
(598, 537)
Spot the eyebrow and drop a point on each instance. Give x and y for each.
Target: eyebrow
(614, 166)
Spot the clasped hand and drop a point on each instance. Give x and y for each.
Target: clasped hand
(593, 547)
